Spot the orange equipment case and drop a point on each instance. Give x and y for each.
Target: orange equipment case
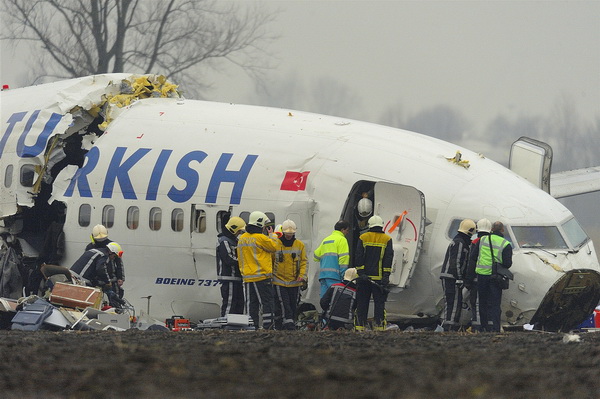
(76, 296)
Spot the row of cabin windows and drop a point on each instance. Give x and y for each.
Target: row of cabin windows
(155, 215)
(132, 218)
(26, 175)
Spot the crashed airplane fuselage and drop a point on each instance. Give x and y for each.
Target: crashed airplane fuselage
(163, 173)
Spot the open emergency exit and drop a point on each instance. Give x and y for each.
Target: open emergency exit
(402, 209)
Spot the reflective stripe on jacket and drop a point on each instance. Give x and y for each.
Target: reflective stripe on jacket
(227, 260)
(484, 260)
(255, 256)
(334, 255)
(457, 257)
(374, 255)
(290, 264)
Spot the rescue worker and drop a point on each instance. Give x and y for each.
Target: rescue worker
(92, 267)
(99, 239)
(228, 269)
(115, 255)
(374, 255)
(289, 274)
(364, 210)
(254, 255)
(452, 275)
(484, 227)
(333, 255)
(339, 303)
(489, 288)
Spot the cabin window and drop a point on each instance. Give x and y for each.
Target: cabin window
(177, 219)
(271, 216)
(222, 219)
(108, 216)
(27, 175)
(155, 218)
(199, 222)
(245, 216)
(133, 217)
(8, 173)
(85, 215)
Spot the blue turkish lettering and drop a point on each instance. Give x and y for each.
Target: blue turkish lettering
(25, 151)
(80, 177)
(12, 121)
(156, 175)
(117, 170)
(188, 174)
(238, 178)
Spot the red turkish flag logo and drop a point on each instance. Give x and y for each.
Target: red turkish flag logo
(294, 181)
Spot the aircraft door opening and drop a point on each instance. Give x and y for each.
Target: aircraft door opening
(402, 209)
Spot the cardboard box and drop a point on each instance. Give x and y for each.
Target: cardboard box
(76, 296)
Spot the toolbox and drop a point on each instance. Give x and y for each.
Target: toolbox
(178, 323)
(76, 296)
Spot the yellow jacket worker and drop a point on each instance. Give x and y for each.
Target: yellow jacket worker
(255, 251)
(289, 274)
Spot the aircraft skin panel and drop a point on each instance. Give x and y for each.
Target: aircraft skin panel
(172, 153)
(574, 182)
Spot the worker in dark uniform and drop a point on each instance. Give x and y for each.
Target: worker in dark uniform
(339, 303)
(492, 248)
(289, 274)
(484, 227)
(452, 275)
(99, 239)
(92, 267)
(228, 269)
(374, 255)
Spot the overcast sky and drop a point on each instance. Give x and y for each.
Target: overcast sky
(484, 58)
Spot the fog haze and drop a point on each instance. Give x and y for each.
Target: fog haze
(476, 73)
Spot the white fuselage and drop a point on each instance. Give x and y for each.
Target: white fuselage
(200, 159)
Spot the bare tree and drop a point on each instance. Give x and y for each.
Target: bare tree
(324, 95)
(177, 38)
(440, 121)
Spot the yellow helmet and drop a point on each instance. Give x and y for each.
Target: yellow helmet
(258, 219)
(235, 224)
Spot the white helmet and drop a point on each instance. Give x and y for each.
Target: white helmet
(99, 233)
(288, 226)
(115, 248)
(258, 219)
(235, 224)
(484, 225)
(364, 207)
(350, 274)
(375, 221)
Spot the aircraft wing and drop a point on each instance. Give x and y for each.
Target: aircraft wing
(573, 182)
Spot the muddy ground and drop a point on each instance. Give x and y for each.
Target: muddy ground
(298, 364)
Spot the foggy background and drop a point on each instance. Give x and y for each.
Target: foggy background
(479, 74)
